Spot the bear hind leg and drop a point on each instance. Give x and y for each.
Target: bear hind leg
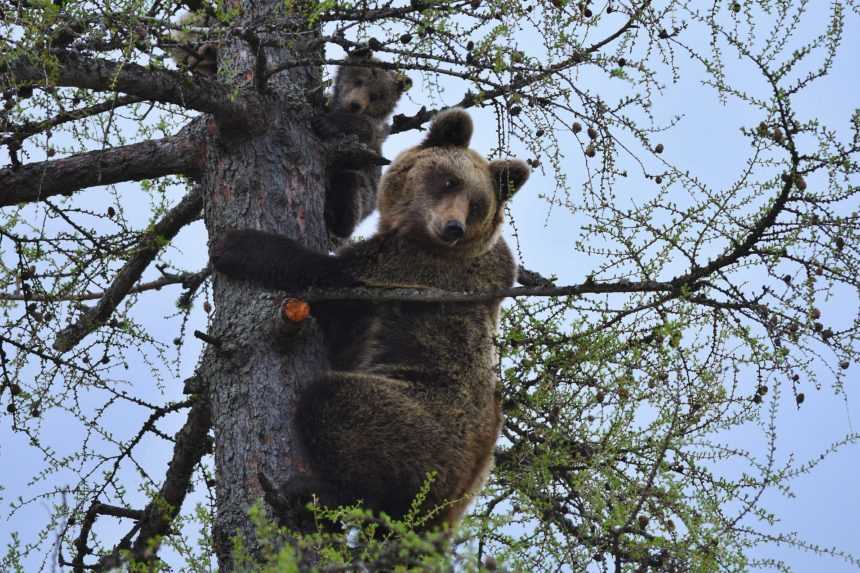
(371, 441)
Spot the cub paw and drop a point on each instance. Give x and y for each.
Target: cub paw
(325, 127)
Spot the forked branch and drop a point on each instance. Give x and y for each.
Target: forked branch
(150, 244)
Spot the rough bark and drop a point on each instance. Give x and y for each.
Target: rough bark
(271, 181)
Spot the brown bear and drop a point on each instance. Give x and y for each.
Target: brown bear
(412, 391)
(364, 96)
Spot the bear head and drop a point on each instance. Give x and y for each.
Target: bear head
(367, 89)
(446, 196)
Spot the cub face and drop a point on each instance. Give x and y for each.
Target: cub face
(446, 196)
(367, 90)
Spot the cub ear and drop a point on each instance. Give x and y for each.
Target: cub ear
(450, 127)
(360, 54)
(509, 175)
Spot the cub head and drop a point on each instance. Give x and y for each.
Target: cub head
(367, 90)
(445, 195)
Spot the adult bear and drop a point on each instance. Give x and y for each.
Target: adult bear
(412, 390)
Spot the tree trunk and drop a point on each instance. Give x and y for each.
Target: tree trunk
(270, 179)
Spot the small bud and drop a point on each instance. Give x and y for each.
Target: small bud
(405, 38)
(207, 308)
(515, 110)
(111, 212)
(800, 398)
(592, 133)
(539, 133)
(11, 408)
(839, 243)
(756, 398)
(816, 313)
(590, 151)
(643, 521)
(658, 148)
(736, 7)
(622, 62)
(177, 341)
(15, 389)
(663, 35)
(658, 180)
(844, 365)
(576, 127)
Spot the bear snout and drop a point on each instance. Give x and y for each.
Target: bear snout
(453, 231)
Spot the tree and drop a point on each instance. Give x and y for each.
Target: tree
(704, 303)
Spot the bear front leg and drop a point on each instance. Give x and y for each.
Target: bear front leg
(339, 123)
(274, 261)
(344, 199)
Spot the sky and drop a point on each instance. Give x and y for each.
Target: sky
(825, 504)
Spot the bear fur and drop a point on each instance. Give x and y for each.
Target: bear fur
(190, 51)
(412, 390)
(363, 98)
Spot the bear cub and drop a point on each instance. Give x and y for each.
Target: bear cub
(412, 392)
(192, 52)
(363, 98)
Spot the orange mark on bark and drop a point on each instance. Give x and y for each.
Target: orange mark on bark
(300, 219)
(295, 310)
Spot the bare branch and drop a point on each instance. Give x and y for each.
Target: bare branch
(185, 279)
(166, 86)
(397, 293)
(178, 154)
(186, 211)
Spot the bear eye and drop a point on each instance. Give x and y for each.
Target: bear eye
(451, 182)
(374, 97)
(476, 211)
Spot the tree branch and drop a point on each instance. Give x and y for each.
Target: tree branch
(397, 293)
(166, 86)
(185, 279)
(150, 244)
(178, 154)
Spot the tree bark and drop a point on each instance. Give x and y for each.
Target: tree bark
(273, 181)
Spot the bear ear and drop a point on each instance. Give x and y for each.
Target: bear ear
(509, 175)
(404, 82)
(450, 127)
